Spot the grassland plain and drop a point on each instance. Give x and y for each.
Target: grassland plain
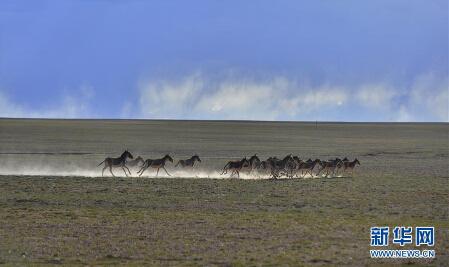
(46, 218)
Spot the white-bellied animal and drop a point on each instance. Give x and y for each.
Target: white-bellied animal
(155, 164)
(254, 163)
(281, 167)
(119, 162)
(235, 166)
(350, 165)
(329, 167)
(308, 166)
(188, 162)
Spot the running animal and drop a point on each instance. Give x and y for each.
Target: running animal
(135, 162)
(281, 167)
(350, 165)
(155, 164)
(254, 163)
(188, 162)
(329, 167)
(235, 166)
(117, 162)
(308, 166)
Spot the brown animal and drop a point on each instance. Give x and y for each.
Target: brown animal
(156, 164)
(235, 166)
(350, 165)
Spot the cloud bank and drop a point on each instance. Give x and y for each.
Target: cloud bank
(197, 96)
(279, 98)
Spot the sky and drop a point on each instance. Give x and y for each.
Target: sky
(383, 60)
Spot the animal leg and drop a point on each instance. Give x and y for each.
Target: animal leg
(157, 172)
(166, 171)
(102, 172)
(110, 169)
(127, 169)
(141, 168)
(141, 171)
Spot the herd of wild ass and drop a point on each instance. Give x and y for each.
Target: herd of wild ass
(290, 166)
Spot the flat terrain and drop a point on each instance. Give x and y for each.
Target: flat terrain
(51, 213)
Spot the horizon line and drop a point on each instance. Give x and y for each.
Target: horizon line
(233, 120)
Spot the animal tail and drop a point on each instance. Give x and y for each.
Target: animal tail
(101, 162)
(224, 168)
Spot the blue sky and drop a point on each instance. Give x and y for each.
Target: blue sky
(262, 60)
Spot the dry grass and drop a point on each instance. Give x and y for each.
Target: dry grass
(403, 180)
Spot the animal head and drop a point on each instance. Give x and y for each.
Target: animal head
(244, 162)
(318, 161)
(127, 154)
(167, 157)
(288, 157)
(345, 159)
(254, 158)
(196, 157)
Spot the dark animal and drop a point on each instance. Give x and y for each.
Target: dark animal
(235, 166)
(254, 163)
(188, 162)
(329, 167)
(308, 166)
(117, 162)
(281, 167)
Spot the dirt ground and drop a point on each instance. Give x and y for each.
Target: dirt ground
(56, 208)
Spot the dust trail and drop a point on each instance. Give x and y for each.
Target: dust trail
(49, 171)
(57, 167)
(86, 166)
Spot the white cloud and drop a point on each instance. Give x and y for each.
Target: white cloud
(243, 100)
(403, 115)
(279, 98)
(312, 99)
(429, 94)
(195, 97)
(164, 99)
(376, 95)
(70, 106)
